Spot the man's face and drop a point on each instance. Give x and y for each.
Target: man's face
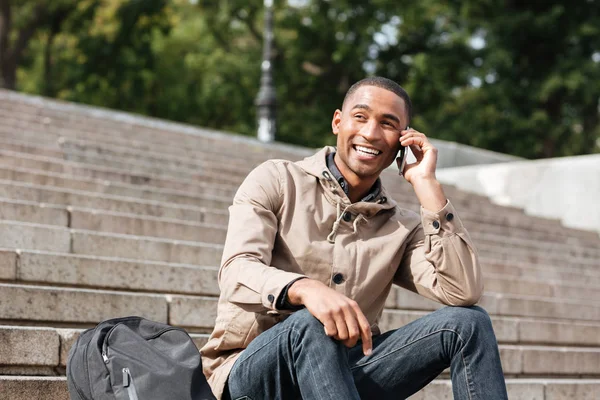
(368, 132)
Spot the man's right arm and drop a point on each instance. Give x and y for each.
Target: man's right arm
(246, 277)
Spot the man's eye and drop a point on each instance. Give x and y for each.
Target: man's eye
(359, 116)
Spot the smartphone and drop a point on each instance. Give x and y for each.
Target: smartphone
(402, 156)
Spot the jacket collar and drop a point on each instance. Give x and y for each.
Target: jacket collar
(316, 165)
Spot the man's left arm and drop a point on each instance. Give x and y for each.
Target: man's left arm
(440, 261)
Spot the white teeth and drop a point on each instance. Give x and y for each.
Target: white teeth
(367, 150)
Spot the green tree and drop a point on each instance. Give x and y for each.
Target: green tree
(20, 22)
(520, 78)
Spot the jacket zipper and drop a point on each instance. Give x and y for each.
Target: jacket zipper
(128, 383)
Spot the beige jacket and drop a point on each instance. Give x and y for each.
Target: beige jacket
(287, 221)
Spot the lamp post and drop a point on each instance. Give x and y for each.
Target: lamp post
(266, 101)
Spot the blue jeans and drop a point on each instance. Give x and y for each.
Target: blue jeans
(296, 360)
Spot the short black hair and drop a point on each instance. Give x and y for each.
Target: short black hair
(386, 84)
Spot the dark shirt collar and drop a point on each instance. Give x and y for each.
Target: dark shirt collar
(373, 193)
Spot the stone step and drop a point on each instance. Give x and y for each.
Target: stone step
(508, 305)
(115, 124)
(45, 304)
(82, 151)
(95, 146)
(465, 200)
(17, 191)
(136, 224)
(44, 350)
(483, 220)
(102, 186)
(135, 173)
(517, 330)
(49, 268)
(32, 348)
(65, 181)
(117, 273)
(132, 224)
(536, 287)
(22, 235)
(161, 168)
(11, 158)
(524, 244)
(106, 221)
(144, 248)
(450, 189)
(524, 389)
(33, 388)
(67, 305)
(210, 185)
(31, 211)
(79, 150)
(58, 165)
(57, 239)
(571, 273)
(534, 256)
(40, 347)
(48, 194)
(49, 347)
(50, 138)
(55, 388)
(476, 223)
(175, 140)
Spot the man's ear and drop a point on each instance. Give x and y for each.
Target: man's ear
(335, 122)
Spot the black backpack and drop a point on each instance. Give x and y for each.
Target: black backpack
(133, 358)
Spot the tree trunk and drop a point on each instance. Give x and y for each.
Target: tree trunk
(10, 56)
(5, 55)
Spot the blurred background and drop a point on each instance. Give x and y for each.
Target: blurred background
(521, 78)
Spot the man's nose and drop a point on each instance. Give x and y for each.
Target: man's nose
(371, 130)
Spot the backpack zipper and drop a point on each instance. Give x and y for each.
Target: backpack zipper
(128, 383)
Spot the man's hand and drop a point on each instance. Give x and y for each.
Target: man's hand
(421, 174)
(341, 317)
(424, 152)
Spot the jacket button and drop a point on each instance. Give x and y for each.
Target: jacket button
(347, 216)
(436, 224)
(449, 216)
(271, 298)
(338, 278)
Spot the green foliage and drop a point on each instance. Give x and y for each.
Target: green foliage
(517, 77)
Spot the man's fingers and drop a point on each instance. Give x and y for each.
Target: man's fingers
(365, 332)
(353, 328)
(329, 326)
(340, 324)
(417, 152)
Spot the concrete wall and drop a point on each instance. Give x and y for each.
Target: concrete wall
(563, 188)
(453, 154)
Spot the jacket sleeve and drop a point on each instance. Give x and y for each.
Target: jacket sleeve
(246, 276)
(440, 261)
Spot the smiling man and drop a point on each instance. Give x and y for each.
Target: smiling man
(312, 251)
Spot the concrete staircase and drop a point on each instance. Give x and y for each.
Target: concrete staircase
(104, 214)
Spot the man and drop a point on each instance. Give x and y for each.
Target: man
(320, 239)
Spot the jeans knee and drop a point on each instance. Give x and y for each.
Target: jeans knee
(304, 321)
(471, 321)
